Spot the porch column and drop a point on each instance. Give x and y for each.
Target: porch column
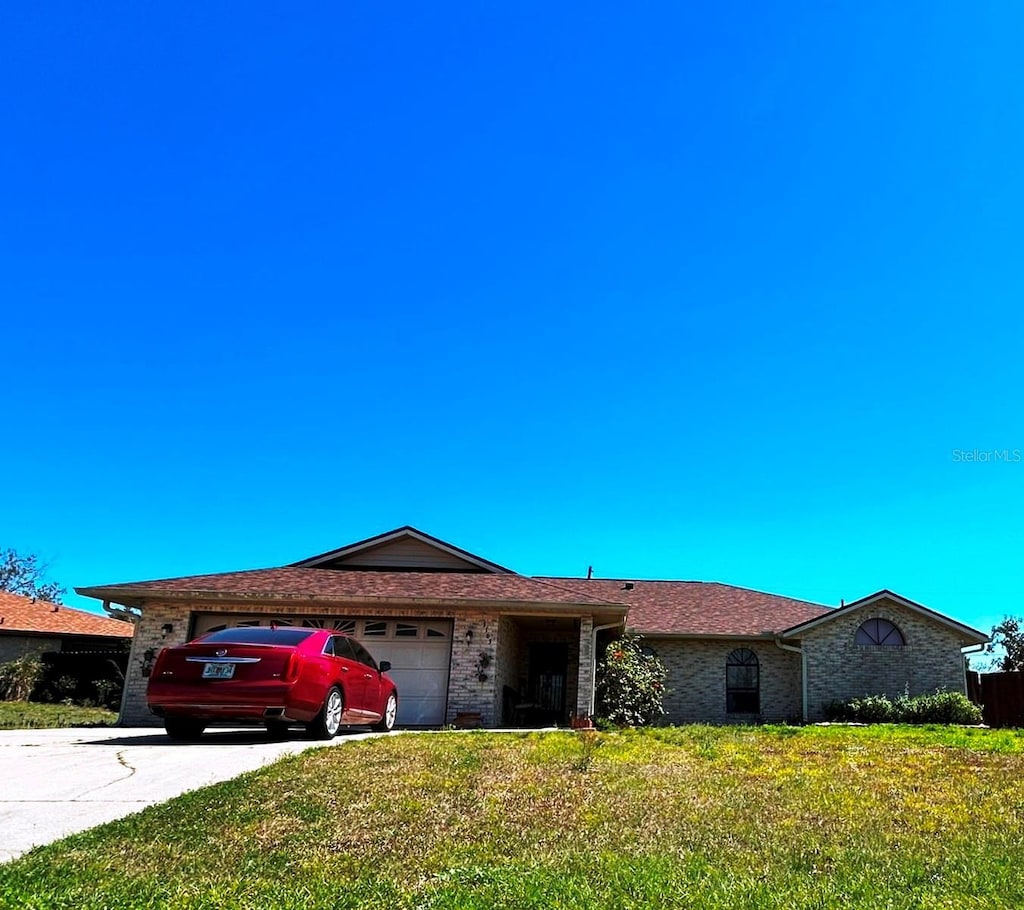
(585, 675)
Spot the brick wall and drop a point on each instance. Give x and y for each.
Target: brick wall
(580, 704)
(507, 670)
(838, 669)
(696, 681)
(148, 636)
(465, 690)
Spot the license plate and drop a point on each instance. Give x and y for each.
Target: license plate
(218, 671)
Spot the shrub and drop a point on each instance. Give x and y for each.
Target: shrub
(630, 684)
(20, 678)
(108, 692)
(936, 708)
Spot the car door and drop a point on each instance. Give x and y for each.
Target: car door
(371, 677)
(354, 677)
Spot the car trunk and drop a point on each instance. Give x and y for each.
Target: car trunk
(221, 662)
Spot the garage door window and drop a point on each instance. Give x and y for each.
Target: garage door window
(348, 626)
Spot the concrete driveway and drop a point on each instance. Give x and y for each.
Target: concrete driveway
(57, 782)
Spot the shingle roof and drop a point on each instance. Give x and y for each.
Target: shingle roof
(24, 615)
(655, 607)
(699, 607)
(297, 583)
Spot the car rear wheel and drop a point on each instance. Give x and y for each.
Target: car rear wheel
(327, 723)
(387, 721)
(183, 728)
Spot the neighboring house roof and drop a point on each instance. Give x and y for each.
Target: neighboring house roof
(972, 635)
(293, 583)
(699, 607)
(26, 616)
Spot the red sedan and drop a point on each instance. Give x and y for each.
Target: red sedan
(276, 675)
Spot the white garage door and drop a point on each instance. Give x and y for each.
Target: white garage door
(419, 651)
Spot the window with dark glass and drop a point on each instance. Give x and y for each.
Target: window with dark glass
(361, 654)
(343, 647)
(879, 632)
(742, 682)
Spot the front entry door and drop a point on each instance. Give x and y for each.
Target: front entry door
(548, 663)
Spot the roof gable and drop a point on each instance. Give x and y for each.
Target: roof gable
(403, 549)
(971, 635)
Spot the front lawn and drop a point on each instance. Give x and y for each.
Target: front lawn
(25, 715)
(692, 817)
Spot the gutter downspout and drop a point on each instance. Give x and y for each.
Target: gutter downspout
(593, 660)
(966, 653)
(803, 670)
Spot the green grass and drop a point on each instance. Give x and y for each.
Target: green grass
(690, 817)
(27, 715)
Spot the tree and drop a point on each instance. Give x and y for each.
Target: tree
(630, 684)
(26, 575)
(1008, 637)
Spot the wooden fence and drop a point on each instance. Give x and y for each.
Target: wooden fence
(1001, 696)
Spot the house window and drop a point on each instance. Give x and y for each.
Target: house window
(879, 632)
(742, 682)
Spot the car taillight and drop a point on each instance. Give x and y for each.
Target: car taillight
(291, 670)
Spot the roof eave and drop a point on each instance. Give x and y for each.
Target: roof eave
(722, 636)
(137, 597)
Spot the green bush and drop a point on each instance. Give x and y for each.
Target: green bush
(20, 678)
(936, 708)
(108, 692)
(630, 684)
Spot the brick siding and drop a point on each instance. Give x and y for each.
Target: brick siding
(838, 669)
(696, 681)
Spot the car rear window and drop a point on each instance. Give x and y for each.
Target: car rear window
(260, 635)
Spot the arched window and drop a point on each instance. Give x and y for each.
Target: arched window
(742, 682)
(879, 632)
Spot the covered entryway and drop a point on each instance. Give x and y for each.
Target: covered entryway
(539, 680)
(419, 650)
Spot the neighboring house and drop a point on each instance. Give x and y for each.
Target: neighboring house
(467, 637)
(30, 626)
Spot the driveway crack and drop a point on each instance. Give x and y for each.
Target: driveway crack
(124, 763)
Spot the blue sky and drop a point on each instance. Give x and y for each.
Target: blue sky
(695, 293)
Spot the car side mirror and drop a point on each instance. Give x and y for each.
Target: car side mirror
(385, 665)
